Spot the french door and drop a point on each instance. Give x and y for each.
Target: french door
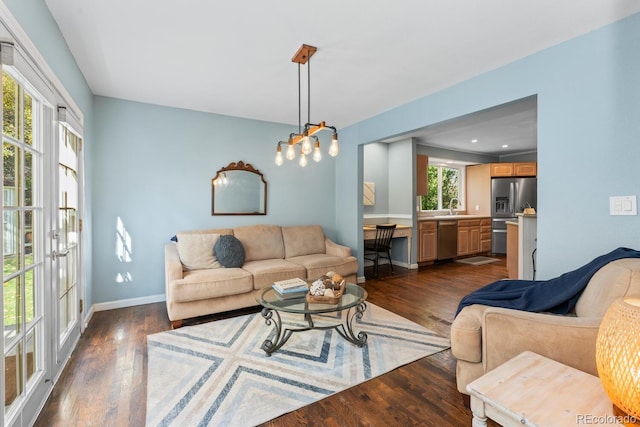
(65, 252)
(24, 275)
(41, 246)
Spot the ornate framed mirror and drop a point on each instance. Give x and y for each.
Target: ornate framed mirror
(238, 189)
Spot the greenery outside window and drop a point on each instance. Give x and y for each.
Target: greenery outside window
(445, 184)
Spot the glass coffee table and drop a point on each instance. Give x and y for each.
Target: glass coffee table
(353, 300)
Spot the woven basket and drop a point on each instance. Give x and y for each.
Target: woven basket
(328, 300)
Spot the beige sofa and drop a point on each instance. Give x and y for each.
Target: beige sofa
(483, 338)
(271, 253)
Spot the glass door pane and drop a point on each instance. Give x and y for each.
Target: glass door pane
(22, 232)
(68, 233)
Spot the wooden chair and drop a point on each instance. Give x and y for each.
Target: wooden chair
(380, 247)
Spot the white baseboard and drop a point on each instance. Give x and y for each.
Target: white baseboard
(402, 264)
(128, 302)
(87, 318)
(405, 265)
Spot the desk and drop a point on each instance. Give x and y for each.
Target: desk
(532, 390)
(399, 232)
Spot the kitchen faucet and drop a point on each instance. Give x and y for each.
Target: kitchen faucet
(451, 204)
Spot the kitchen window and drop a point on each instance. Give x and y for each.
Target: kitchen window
(445, 183)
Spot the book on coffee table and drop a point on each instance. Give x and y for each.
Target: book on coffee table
(291, 295)
(290, 286)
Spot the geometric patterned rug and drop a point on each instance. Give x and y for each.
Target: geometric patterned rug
(216, 374)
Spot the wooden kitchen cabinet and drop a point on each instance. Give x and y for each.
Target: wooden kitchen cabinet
(422, 181)
(512, 250)
(468, 236)
(485, 235)
(428, 241)
(514, 169)
(463, 241)
(525, 169)
(501, 169)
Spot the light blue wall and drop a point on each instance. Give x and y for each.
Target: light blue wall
(37, 22)
(376, 170)
(442, 153)
(588, 128)
(402, 160)
(154, 178)
(402, 189)
(526, 157)
(151, 166)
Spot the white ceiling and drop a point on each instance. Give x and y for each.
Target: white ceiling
(502, 130)
(234, 57)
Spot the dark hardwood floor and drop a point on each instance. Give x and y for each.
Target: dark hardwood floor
(104, 382)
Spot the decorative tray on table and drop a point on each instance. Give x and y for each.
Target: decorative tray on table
(328, 289)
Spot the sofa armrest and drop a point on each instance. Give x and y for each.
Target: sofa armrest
(566, 339)
(466, 334)
(335, 249)
(172, 266)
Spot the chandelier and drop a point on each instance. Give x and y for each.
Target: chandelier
(305, 137)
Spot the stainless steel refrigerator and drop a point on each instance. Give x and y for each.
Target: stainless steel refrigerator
(509, 196)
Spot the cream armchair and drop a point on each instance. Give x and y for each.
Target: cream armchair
(483, 337)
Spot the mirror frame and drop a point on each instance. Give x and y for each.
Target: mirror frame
(244, 167)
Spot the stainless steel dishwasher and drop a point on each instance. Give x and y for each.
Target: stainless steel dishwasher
(447, 239)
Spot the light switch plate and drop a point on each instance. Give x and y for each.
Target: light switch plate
(623, 205)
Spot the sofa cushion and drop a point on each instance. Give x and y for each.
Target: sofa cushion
(319, 264)
(261, 242)
(229, 251)
(210, 283)
(303, 240)
(267, 271)
(220, 231)
(196, 250)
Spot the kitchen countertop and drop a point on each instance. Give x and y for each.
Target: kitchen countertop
(445, 217)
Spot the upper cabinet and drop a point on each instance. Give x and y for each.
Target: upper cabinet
(501, 169)
(422, 183)
(514, 169)
(525, 169)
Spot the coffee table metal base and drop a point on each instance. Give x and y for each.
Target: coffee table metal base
(282, 335)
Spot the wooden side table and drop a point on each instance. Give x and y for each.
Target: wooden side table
(532, 390)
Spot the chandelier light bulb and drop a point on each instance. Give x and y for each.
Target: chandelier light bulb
(306, 144)
(317, 155)
(291, 152)
(333, 148)
(303, 160)
(279, 160)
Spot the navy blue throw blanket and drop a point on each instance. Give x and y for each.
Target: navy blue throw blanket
(557, 295)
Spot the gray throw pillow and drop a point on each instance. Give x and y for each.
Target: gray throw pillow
(229, 251)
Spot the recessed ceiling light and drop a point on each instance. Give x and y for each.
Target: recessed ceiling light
(505, 146)
(473, 141)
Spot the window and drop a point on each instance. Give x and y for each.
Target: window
(445, 184)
